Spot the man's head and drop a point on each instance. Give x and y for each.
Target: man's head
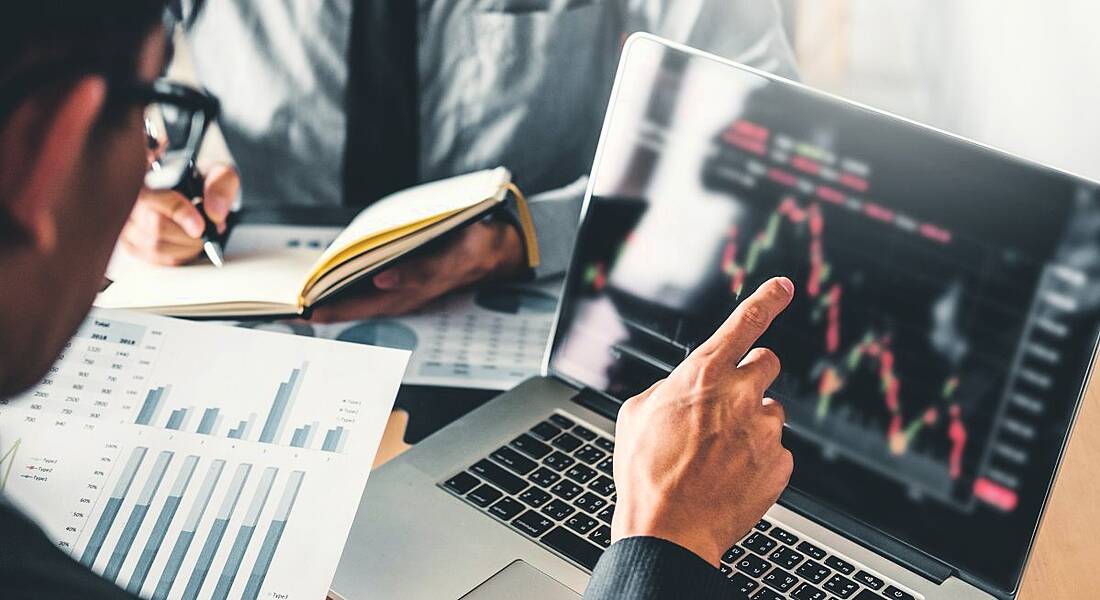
(71, 163)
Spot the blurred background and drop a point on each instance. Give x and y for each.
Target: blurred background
(1021, 75)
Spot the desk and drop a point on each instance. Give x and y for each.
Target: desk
(1066, 558)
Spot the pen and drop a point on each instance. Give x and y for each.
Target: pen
(191, 187)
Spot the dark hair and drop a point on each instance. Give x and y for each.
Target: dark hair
(50, 42)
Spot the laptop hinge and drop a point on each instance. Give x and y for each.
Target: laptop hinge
(598, 402)
(899, 552)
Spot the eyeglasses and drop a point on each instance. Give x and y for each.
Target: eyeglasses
(176, 117)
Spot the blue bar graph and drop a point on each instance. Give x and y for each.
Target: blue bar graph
(333, 440)
(244, 534)
(298, 440)
(237, 431)
(114, 503)
(284, 399)
(177, 419)
(160, 528)
(151, 406)
(137, 515)
(183, 542)
(209, 418)
(274, 534)
(217, 532)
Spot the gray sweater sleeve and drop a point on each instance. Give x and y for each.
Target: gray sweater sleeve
(647, 568)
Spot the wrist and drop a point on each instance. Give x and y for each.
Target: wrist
(690, 534)
(507, 257)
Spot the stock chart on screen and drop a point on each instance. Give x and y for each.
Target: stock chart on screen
(946, 306)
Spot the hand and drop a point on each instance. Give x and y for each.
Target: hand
(698, 458)
(166, 229)
(484, 250)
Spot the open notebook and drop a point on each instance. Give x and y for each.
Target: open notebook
(289, 280)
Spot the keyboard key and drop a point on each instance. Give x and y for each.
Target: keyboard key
(784, 536)
(530, 446)
(840, 565)
(766, 594)
(484, 495)
(561, 421)
(545, 431)
(573, 547)
(606, 467)
(590, 454)
(580, 473)
(589, 502)
(532, 523)
(534, 497)
(515, 461)
(759, 544)
(582, 524)
(566, 489)
(866, 595)
(605, 444)
(743, 583)
(506, 508)
(897, 594)
(752, 565)
(461, 483)
(559, 461)
(606, 514)
(558, 509)
(868, 580)
(762, 525)
(808, 592)
(811, 550)
(495, 474)
(726, 570)
(840, 586)
(603, 485)
(567, 442)
(602, 536)
(812, 571)
(785, 557)
(780, 579)
(585, 434)
(733, 554)
(543, 476)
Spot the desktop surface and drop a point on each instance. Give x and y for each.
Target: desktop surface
(946, 313)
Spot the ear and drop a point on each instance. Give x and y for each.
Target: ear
(40, 147)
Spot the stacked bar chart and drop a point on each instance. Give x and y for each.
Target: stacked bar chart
(183, 540)
(137, 516)
(160, 530)
(244, 534)
(114, 503)
(274, 534)
(217, 532)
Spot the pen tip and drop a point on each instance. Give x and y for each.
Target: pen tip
(214, 252)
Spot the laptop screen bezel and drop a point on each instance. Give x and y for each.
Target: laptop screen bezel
(568, 296)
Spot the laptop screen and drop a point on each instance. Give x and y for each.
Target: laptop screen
(947, 294)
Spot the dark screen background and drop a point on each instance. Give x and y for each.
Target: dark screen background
(946, 309)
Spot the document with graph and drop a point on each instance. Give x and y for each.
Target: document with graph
(186, 460)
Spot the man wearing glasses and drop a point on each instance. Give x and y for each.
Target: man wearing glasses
(78, 104)
(337, 103)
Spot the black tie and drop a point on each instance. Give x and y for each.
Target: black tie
(381, 150)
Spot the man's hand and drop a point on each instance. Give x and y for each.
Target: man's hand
(166, 229)
(484, 250)
(698, 458)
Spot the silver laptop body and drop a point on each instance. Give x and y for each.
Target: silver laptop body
(428, 526)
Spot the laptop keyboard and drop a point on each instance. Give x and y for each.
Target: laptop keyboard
(554, 484)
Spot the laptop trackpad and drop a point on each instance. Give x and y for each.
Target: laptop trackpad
(521, 578)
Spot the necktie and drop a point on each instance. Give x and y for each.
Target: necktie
(381, 151)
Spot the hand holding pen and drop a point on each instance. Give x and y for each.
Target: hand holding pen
(165, 227)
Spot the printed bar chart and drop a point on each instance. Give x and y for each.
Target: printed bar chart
(183, 542)
(284, 399)
(178, 419)
(114, 503)
(217, 532)
(137, 516)
(334, 440)
(244, 534)
(274, 534)
(160, 529)
(209, 422)
(149, 409)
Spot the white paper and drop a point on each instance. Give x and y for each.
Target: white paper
(136, 391)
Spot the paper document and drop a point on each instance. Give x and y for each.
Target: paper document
(191, 460)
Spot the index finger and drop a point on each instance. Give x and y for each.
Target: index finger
(749, 320)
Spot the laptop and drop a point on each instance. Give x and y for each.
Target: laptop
(934, 358)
